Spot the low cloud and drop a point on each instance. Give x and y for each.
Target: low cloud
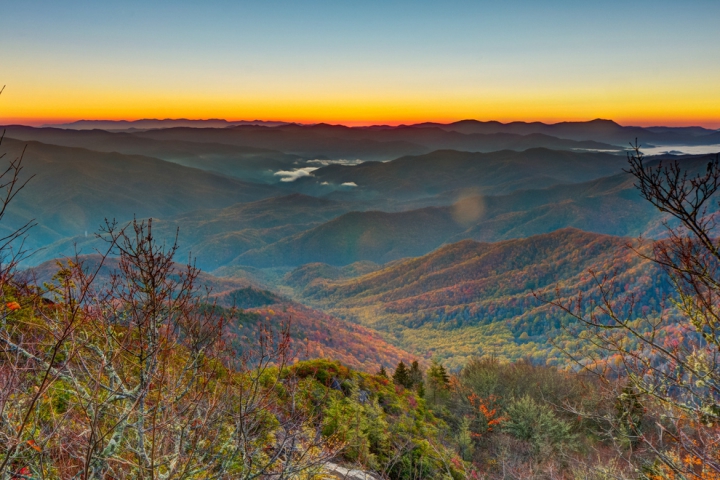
(339, 161)
(292, 175)
(348, 184)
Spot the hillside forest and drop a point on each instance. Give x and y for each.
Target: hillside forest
(472, 300)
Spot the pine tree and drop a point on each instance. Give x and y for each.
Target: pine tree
(438, 373)
(382, 372)
(438, 381)
(415, 374)
(402, 375)
(421, 389)
(465, 440)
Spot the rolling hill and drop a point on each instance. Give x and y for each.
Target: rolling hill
(609, 205)
(75, 189)
(314, 334)
(337, 141)
(500, 172)
(214, 237)
(471, 298)
(374, 236)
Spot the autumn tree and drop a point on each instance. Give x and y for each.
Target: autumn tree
(129, 376)
(667, 361)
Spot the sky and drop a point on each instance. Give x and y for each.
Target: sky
(636, 62)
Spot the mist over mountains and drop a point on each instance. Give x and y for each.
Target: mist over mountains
(598, 130)
(376, 225)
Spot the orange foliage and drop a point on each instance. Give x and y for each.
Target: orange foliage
(690, 463)
(34, 445)
(315, 334)
(483, 405)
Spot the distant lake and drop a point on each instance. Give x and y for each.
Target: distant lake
(681, 149)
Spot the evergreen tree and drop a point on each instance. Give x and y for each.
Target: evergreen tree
(438, 381)
(465, 440)
(402, 375)
(439, 375)
(416, 375)
(383, 372)
(421, 389)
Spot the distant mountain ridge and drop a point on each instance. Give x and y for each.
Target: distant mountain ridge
(336, 141)
(148, 123)
(75, 189)
(606, 205)
(599, 130)
(296, 229)
(310, 141)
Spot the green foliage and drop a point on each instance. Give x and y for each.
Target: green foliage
(438, 383)
(488, 377)
(630, 414)
(537, 424)
(382, 428)
(465, 442)
(361, 426)
(471, 298)
(402, 376)
(321, 369)
(415, 374)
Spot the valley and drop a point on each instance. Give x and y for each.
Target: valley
(441, 240)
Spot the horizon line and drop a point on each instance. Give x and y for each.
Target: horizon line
(58, 122)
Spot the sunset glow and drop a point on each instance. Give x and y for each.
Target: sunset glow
(405, 63)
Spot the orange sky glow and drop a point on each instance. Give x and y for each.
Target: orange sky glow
(650, 62)
(29, 109)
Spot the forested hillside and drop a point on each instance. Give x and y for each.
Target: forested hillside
(456, 313)
(73, 190)
(493, 173)
(608, 205)
(473, 298)
(311, 333)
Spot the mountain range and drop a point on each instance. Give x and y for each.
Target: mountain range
(74, 189)
(598, 129)
(376, 243)
(148, 123)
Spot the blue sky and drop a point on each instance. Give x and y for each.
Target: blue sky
(359, 59)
